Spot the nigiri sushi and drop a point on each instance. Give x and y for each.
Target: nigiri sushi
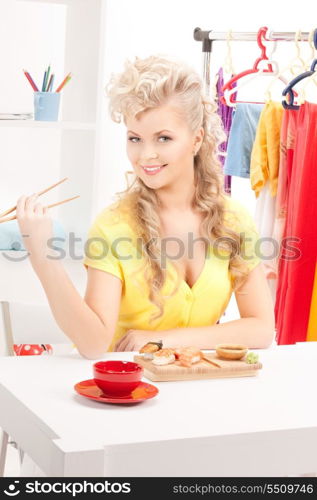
(163, 357)
(151, 347)
(187, 356)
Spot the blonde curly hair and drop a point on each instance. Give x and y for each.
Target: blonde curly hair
(148, 83)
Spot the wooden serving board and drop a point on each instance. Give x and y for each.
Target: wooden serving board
(201, 370)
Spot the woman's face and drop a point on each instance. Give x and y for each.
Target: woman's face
(160, 146)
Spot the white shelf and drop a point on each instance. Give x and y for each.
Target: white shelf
(73, 146)
(66, 2)
(46, 124)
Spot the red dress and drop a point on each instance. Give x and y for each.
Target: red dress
(287, 146)
(296, 273)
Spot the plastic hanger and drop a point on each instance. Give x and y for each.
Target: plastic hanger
(289, 91)
(289, 67)
(312, 48)
(245, 81)
(229, 85)
(279, 77)
(302, 93)
(228, 64)
(295, 68)
(312, 78)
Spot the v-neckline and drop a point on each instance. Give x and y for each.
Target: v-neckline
(184, 282)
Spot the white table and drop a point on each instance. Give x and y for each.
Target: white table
(254, 426)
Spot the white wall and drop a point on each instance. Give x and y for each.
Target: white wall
(31, 37)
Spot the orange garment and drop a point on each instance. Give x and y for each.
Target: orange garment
(266, 149)
(312, 325)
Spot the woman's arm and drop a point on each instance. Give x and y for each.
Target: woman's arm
(89, 322)
(255, 329)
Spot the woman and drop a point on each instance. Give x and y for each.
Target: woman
(164, 259)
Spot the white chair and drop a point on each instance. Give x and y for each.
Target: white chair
(25, 323)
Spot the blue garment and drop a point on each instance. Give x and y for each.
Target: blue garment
(11, 239)
(241, 139)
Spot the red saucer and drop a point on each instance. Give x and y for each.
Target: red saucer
(90, 390)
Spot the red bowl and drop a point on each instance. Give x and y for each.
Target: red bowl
(117, 378)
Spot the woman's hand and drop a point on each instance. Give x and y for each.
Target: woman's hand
(133, 340)
(36, 227)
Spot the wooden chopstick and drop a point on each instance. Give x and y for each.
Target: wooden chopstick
(39, 194)
(12, 217)
(63, 201)
(211, 362)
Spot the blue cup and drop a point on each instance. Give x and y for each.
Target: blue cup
(46, 106)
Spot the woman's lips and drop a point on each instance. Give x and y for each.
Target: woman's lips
(153, 169)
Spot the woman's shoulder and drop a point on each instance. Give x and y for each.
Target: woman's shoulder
(232, 204)
(114, 217)
(237, 215)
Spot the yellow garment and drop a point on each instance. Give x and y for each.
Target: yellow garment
(265, 153)
(201, 305)
(312, 325)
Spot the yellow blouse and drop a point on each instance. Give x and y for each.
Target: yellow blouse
(265, 155)
(113, 246)
(312, 324)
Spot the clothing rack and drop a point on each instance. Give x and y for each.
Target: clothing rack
(207, 37)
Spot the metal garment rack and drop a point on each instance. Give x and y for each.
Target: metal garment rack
(207, 37)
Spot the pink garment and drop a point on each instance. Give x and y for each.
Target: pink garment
(265, 221)
(287, 144)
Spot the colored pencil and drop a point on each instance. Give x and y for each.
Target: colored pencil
(51, 88)
(50, 83)
(44, 81)
(66, 80)
(28, 76)
(47, 77)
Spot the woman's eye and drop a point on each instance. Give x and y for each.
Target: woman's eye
(161, 137)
